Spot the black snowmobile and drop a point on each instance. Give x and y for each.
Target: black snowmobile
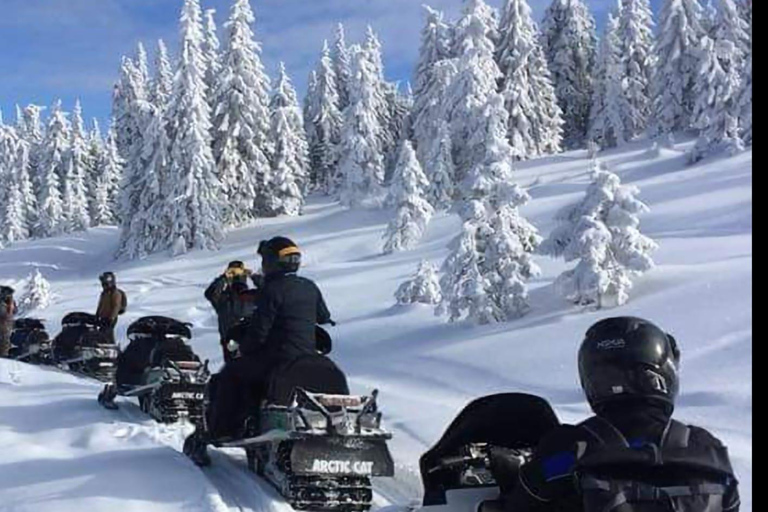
(81, 347)
(161, 370)
(315, 443)
(30, 341)
(486, 444)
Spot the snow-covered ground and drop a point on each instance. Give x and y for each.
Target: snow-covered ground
(60, 451)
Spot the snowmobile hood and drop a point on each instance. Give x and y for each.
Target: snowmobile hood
(160, 325)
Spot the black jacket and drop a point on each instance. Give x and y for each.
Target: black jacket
(547, 483)
(230, 306)
(283, 325)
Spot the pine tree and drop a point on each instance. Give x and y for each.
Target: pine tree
(162, 85)
(440, 170)
(14, 160)
(382, 99)
(361, 162)
(193, 190)
(430, 110)
(489, 18)
(53, 161)
(36, 294)
(730, 25)
(290, 161)
(78, 166)
(602, 233)
(422, 288)
(470, 89)
(30, 128)
(680, 31)
(610, 106)
(342, 66)
(211, 48)
(142, 65)
(407, 193)
(745, 101)
(324, 122)
(109, 175)
(535, 120)
(636, 40)
(241, 144)
(569, 42)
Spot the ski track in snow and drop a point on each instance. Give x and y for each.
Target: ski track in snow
(59, 451)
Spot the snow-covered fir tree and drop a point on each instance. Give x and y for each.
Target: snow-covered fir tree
(162, 83)
(361, 161)
(35, 295)
(14, 162)
(342, 66)
(441, 172)
(323, 122)
(730, 25)
(111, 173)
(289, 177)
(610, 117)
(601, 233)
(407, 195)
(53, 165)
(193, 213)
(142, 64)
(430, 110)
(422, 288)
(241, 144)
(490, 20)
(211, 55)
(29, 127)
(635, 36)
(383, 99)
(95, 144)
(745, 100)
(676, 54)
(535, 119)
(399, 106)
(75, 196)
(470, 90)
(569, 41)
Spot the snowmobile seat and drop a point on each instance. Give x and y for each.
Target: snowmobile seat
(159, 326)
(313, 373)
(512, 420)
(28, 324)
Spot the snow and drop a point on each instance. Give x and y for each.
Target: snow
(60, 451)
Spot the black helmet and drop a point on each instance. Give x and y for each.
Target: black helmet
(236, 264)
(108, 278)
(628, 357)
(280, 254)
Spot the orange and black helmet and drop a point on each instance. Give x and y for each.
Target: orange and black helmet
(280, 254)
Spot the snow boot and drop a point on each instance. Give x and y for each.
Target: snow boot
(107, 397)
(196, 448)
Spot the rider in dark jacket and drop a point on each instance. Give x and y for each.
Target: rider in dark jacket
(628, 370)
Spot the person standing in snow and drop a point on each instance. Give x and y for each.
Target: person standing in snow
(632, 450)
(7, 312)
(232, 299)
(282, 329)
(112, 303)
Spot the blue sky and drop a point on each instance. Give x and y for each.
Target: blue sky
(71, 49)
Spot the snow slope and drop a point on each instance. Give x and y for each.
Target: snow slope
(60, 451)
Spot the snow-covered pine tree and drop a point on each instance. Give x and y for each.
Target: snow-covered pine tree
(730, 25)
(95, 144)
(490, 19)
(78, 166)
(162, 84)
(146, 231)
(382, 100)
(535, 120)
(430, 110)
(193, 192)
(680, 32)
(610, 107)
(361, 161)
(569, 41)
(14, 161)
(474, 83)
(399, 107)
(413, 211)
(36, 294)
(422, 288)
(441, 173)
(342, 66)
(142, 65)
(29, 126)
(745, 101)
(324, 122)
(211, 48)
(241, 144)
(636, 39)
(290, 173)
(602, 233)
(52, 167)
(111, 174)
(709, 18)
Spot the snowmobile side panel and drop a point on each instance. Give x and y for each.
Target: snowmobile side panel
(341, 456)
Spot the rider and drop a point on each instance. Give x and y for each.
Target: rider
(282, 328)
(629, 373)
(232, 299)
(7, 312)
(112, 303)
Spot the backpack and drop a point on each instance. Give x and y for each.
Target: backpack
(123, 302)
(675, 476)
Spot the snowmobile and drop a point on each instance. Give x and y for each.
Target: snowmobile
(161, 370)
(30, 341)
(81, 347)
(315, 443)
(484, 446)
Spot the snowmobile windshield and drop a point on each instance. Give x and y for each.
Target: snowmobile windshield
(28, 324)
(79, 318)
(160, 326)
(512, 420)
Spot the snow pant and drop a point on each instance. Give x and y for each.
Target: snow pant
(109, 332)
(5, 339)
(240, 383)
